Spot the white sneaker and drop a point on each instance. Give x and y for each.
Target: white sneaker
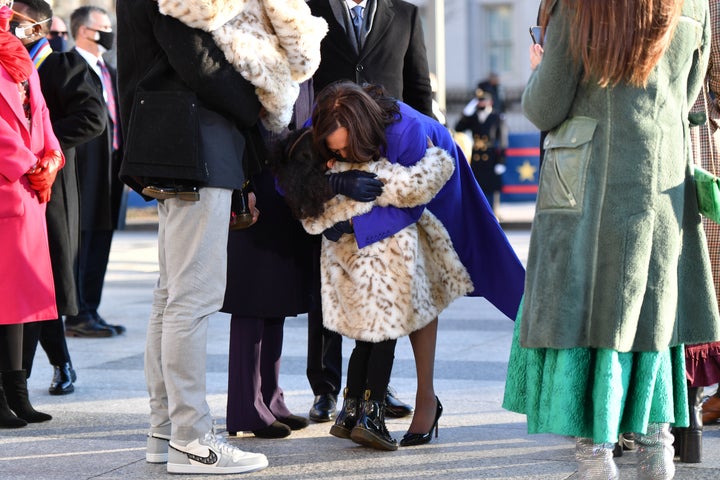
(212, 455)
(157, 448)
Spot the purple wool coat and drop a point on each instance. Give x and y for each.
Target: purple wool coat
(481, 244)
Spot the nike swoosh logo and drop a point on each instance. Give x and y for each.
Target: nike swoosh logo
(209, 460)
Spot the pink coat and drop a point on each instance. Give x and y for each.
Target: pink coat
(26, 282)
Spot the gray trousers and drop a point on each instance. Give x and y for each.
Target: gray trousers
(192, 256)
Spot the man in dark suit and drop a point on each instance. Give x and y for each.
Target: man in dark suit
(389, 50)
(369, 41)
(78, 115)
(98, 166)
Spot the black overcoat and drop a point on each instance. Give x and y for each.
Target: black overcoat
(98, 166)
(78, 114)
(393, 53)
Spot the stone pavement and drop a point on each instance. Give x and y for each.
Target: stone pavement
(99, 431)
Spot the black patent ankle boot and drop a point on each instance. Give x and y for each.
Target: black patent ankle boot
(690, 444)
(346, 418)
(370, 429)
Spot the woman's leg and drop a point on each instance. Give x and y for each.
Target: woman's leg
(347, 416)
(423, 344)
(370, 429)
(246, 410)
(595, 460)
(31, 337)
(14, 378)
(380, 363)
(357, 369)
(272, 341)
(272, 394)
(11, 341)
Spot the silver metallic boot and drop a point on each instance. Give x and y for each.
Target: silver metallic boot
(595, 460)
(655, 453)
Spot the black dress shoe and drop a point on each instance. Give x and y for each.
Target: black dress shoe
(89, 328)
(394, 407)
(323, 409)
(119, 329)
(63, 378)
(295, 422)
(274, 430)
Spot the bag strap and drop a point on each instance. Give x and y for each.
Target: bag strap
(707, 126)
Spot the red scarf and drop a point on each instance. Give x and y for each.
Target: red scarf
(13, 55)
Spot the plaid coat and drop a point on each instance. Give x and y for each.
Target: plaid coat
(703, 360)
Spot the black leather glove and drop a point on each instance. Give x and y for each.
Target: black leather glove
(356, 184)
(338, 230)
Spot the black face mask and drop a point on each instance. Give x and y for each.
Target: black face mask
(58, 44)
(106, 39)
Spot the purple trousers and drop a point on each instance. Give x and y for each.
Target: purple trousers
(255, 400)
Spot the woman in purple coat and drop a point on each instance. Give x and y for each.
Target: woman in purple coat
(270, 268)
(482, 246)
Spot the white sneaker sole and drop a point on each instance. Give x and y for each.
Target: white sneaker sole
(156, 457)
(209, 470)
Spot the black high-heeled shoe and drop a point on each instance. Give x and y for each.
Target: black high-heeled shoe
(411, 439)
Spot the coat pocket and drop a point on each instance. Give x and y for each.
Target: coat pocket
(567, 152)
(162, 140)
(11, 200)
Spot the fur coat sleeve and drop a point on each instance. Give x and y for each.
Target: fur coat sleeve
(405, 187)
(274, 44)
(399, 284)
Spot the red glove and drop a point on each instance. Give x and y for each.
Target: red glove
(42, 175)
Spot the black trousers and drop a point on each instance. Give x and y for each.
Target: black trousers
(93, 260)
(324, 357)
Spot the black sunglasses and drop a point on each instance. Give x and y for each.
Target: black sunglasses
(55, 33)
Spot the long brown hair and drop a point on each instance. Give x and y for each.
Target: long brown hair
(618, 40)
(346, 104)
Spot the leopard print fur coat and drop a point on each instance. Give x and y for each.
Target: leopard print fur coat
(274, 44)
(399, 284)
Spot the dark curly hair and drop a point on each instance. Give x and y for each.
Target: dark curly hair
(300, 174)
(300, 161)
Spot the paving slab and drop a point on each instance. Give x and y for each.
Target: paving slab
(98, 432)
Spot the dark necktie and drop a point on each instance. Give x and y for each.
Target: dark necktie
(357, 22)
(110, 102)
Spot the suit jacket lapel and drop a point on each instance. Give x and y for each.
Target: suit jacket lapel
(341, 14)
(381, 22)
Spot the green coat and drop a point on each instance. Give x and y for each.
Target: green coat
(617, 255)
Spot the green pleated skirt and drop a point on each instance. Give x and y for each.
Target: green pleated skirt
(595, 393)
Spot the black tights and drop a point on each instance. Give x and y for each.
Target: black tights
(11, 340)
(369, 369)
